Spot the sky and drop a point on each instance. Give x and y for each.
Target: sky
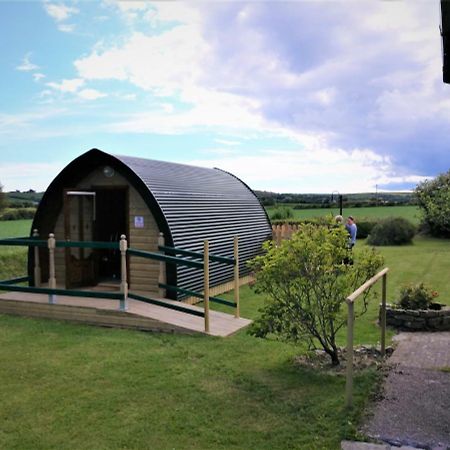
(290, 96)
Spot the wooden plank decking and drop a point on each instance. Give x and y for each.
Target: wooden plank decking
(139, 315)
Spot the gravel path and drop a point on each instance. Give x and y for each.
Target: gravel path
(415, 409)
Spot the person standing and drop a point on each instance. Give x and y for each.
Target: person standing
(352, 229)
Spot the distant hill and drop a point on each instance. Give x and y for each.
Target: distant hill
(17, 199)
(323, 200)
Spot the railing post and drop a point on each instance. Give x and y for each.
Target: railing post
(349, 379)
(383, 314)
(236, 277)
(123, 265)
(52, 273)
(162, 278)
(206, 283)
(37, 266)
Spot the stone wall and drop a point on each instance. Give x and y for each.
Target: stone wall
(418, 320)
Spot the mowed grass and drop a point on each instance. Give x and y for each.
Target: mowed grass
(380, 212)
(66, 386)
(13, 260)
(15, 228)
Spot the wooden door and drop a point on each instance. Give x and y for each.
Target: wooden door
(79, 218)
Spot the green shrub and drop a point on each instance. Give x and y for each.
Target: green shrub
(433, 197)
(416, 296)
(365, 227)
(282, 213)
(307, 283)
(18, 214)
(392, 231)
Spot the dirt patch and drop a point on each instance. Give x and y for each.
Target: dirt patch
(364, 357)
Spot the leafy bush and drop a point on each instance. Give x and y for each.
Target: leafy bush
(282, 213)
(307, 282)
(365, 227)
(433, 198)
(416, 296)
(392, 231)
(19, 213)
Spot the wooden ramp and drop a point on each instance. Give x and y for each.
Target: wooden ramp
(139, 315)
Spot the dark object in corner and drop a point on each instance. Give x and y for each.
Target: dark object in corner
(445, 33)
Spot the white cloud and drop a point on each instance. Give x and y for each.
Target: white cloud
(66, 28)
(306, 170)
(164, 64)
(59, 11)
(26, 65)
(38, 76)
(25, 176)
(70, 86)
(91, 94)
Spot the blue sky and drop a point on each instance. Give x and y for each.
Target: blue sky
(298, 96)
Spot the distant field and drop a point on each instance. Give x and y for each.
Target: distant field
(15, 228)
(408, 212)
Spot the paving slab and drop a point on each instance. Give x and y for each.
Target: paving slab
(415, 409)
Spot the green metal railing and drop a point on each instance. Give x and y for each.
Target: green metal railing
(196, 260)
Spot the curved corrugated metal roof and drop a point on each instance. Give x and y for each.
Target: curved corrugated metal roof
(200, 203)
(190, 204)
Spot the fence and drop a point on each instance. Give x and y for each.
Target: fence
(350, 322)
(197, 260)
(285, 231)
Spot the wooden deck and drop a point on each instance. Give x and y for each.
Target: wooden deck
(139, 315)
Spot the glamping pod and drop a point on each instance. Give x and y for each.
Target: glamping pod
(99, 197)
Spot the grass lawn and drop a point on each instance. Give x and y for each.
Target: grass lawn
(13, 260)
(15, 228)
(408, 212)
(66, 386)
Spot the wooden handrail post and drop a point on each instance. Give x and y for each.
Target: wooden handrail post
(123, 266)
(52, 272)
(349, 379)
(206, 284)
(162, 278)
(383, 314)
(37, 266)
(236, 277)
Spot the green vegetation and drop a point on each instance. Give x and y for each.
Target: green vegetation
(434, 201)
(69, 386)
(66, 386)
(16, 228)
(307, 284)
(282, 213)
(410, 213)
(416, 296)
(392, 231)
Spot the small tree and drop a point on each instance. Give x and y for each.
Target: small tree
(434, 199)
(307, 281)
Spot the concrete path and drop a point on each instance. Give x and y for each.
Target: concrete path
(415, 410)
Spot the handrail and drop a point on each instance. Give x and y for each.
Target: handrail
(18, 280)
(202, 263)
(57, 291)
(24, 242)
(160, 257)
(218, 300)
(152, 301)
(352, 297)
(350, 322)
(180, 251)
